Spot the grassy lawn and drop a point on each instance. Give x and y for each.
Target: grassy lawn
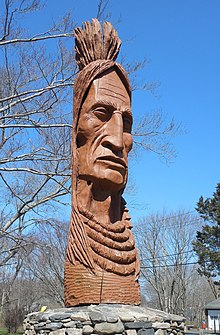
(4, 331)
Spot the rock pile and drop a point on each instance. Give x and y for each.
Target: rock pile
(103, 319)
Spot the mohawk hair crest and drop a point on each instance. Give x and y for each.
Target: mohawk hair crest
(93, 42)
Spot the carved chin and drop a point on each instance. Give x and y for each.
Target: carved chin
(112, 181)
(108, 180)
(107, 176)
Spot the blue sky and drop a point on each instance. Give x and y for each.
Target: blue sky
(182, 40)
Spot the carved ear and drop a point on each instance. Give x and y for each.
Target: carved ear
(93, 43)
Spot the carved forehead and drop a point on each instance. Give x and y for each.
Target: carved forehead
(111, 87)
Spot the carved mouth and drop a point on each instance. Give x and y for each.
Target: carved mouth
(113, 159)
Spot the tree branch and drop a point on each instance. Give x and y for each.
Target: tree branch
(35, 39)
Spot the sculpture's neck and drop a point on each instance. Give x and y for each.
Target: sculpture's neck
(105, 207)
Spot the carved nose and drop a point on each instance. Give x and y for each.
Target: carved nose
(114, 138)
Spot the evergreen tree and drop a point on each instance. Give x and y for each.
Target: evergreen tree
(207, 243)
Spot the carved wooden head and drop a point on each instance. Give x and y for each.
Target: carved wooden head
(102, 109)
(104, 133)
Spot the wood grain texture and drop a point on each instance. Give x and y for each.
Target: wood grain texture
(113, 278)
(102, 263)
(83, 287)
(93, 42)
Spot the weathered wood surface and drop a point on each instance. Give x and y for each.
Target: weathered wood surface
(102, 264)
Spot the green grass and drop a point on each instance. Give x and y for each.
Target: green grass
(4, 331)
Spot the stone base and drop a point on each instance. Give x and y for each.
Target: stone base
(104, 319)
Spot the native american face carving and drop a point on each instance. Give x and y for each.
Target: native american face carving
(102, 263)
(104, 133)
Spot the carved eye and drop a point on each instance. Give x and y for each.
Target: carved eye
(127, 123)
(102, 113)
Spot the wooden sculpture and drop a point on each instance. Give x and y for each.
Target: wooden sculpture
(102, 264)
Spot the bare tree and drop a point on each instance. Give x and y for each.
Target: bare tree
(153, 133)
(167, 258)
(36, 82)
(198, 295)
(10, 276)
(35, 122)
(34, 277)
(47, 259)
